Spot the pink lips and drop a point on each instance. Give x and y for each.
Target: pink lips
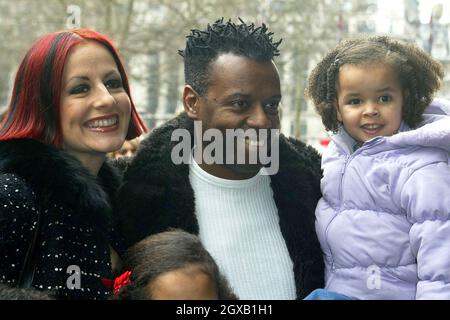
(371, 128)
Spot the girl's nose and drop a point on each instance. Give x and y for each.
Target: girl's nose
(371, 109)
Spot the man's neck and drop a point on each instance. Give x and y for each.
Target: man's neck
(225, 172)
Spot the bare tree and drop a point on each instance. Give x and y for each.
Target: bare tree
(150, 32)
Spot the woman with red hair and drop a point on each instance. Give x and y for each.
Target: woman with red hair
(71, 105)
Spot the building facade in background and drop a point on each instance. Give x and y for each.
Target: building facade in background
(149, 34)
(399, 19)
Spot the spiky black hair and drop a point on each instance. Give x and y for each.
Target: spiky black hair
(204, 46)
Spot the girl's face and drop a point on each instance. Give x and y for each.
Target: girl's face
(370, 100)
(95, 108)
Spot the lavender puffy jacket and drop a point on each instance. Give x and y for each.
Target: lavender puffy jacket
(383, 222)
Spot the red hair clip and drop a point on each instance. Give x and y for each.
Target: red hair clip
(118, 282)
(121, 281)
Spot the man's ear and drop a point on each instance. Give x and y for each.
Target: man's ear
(191, 101)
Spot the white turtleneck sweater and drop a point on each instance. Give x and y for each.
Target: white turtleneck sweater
(239, 226)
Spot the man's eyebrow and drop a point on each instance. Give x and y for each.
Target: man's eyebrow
(246, 96)
(238, 95)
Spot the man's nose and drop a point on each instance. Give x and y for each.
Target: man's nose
(258, 118)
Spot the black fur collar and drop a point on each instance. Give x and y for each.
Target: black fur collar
(155, 156)
(57, 177)
(157, 194)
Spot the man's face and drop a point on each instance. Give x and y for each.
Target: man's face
(242, 94)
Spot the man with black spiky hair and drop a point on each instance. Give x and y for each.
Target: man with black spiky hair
(256, 220)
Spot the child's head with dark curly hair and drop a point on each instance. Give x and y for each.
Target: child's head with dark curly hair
(172, 265)
(369, 85)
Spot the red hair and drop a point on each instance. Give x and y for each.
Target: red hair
(34, 110)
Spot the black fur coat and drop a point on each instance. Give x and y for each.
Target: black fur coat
(156, 195)
(75, 227)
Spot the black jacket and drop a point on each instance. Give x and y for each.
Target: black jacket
(156, 195)
(75, 227)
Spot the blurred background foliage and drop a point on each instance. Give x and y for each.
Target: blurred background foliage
(149, 34)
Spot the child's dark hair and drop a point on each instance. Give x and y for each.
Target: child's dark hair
(419, 75)
(165, 252)
(203, 47)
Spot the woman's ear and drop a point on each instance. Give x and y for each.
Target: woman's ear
(191, 101)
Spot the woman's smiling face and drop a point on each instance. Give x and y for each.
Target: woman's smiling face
(94, 107)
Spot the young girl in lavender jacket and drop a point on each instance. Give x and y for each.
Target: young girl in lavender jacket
(383, 222)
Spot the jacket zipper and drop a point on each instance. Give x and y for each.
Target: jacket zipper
(344, 167)
(347, 160)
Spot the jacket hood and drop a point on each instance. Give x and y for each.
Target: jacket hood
(434, 131)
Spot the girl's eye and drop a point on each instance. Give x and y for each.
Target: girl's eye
(114, 84)
(81, 88)
(385, 99)
(354, 101)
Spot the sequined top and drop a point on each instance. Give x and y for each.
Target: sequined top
(69, 241)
